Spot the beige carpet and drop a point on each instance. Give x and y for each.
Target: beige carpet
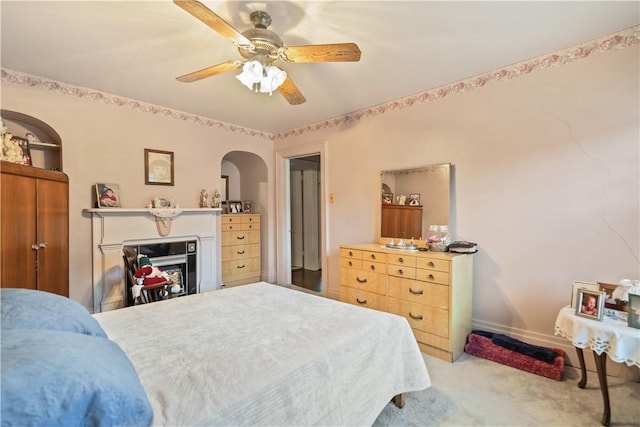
(477, 392)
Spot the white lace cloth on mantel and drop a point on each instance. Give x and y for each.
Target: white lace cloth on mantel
(614, 337)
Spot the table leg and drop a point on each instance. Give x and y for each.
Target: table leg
(583, 369)
(601, 367)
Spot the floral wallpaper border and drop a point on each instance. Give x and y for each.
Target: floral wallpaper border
(619, 40)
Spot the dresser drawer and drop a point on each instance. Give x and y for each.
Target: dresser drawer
(374, 267)
(403, 260)
(401, 271)
(433, 276)
(363, 298)
(237, 252)
(418, 292)
(421, 317)
(434, 264)
(351, 263)
(241, 237)
(350, 253)
(364, 280)
(240, 267)
(374, 256)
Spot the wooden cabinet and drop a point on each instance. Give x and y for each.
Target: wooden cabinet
(432, 290)
(35, 229)
(240, 249)
(400, 221)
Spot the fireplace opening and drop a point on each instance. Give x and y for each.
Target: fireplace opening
(178, 258)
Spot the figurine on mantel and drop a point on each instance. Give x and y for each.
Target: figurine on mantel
(215, 202)
(204, 199)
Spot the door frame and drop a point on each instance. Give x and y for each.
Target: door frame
(283, 211)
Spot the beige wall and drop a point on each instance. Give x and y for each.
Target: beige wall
(546, 182)
(546, 177)
(105, 143)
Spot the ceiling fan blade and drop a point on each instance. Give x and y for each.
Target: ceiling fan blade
(291, 92)
(210, 71)
(206, 15)
(338, 52)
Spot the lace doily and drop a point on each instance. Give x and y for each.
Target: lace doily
(613, 337)
(165, 213)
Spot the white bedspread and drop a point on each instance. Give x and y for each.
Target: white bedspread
(262, 354)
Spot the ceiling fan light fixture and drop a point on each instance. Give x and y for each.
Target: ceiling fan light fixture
(262, 79)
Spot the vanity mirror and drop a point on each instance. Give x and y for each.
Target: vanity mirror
(430, 185)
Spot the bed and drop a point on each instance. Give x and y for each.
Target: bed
(259, 354)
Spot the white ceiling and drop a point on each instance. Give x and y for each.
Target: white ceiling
(136, 49)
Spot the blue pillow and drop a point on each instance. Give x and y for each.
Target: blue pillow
(31, 309)
(57, 378)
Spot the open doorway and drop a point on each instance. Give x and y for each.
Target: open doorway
(304, 188)
(283, 207)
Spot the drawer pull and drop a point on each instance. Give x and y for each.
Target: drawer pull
(415, 317)
(251, 226)
(361, 280)
(240, 237)
(431, 264)
(361, 302)
(431, 277)
(350, 264)
(373, 267)
(240, 252)
(350, 253)
(420, 292)
(400, 271)
(401, 260)
(240, 266)
(373, 256)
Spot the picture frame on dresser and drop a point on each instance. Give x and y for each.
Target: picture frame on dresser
(414, 199)
(234, 206)
(579, 284)
(108, 195)
(590, 304)
(158, 167)
(387, 198)
(633, 311)
(247, 206)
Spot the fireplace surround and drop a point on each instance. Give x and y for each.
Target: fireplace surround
(111, 229)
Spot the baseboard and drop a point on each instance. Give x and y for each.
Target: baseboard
(553, 341)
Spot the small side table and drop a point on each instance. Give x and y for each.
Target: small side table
(607, 337)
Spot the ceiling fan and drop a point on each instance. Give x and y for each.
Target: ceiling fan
(260, 48)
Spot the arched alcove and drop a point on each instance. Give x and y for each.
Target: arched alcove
(46, 148)
(248, 181)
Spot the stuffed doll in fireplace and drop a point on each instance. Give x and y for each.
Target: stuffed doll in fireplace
(147, 274)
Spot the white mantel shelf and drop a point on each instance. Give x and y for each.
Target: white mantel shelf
(112, 228)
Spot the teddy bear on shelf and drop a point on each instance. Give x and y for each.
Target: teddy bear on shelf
(147, 274)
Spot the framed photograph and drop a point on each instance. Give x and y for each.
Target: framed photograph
(414, 199)
(610, 302)
(158, 167)
(234, 207)
(246, 206)
(162, 202)
(590, 304)
(224, 187)
(387, 198)
(633, 318)
(108, 196)
(577, 284)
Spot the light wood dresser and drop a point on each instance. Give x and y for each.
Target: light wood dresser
(240, 249)
(432, 290)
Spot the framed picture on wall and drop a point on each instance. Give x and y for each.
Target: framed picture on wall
(224, 188)
(108, 196)
(158, 167)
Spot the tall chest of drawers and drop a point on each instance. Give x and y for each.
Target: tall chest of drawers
(432, 290)
(240, 249)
